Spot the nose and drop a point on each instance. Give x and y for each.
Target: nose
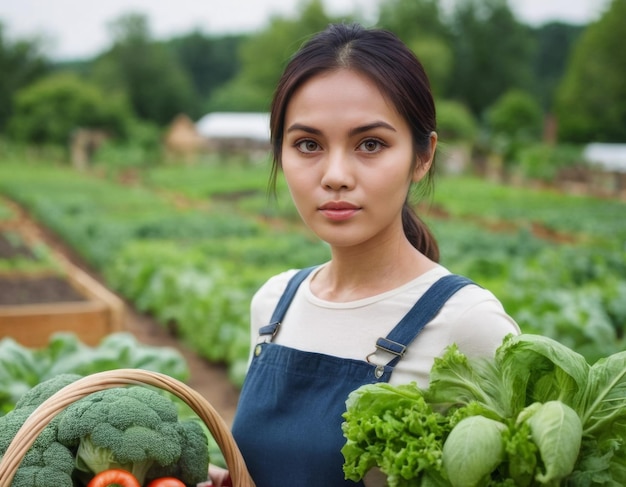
(338, 172)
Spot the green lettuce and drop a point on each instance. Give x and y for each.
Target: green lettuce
(534, 414)
(395, 429)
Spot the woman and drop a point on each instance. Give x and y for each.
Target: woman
(352, 128)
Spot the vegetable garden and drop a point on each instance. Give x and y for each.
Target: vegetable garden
(189, 245)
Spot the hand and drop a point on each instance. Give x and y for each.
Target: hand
(220, 477)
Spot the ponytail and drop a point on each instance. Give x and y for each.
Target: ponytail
(419, 234)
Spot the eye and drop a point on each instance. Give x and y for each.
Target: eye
(371, 146)
(307, 146)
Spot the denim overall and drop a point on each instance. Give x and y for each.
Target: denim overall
(288, 421)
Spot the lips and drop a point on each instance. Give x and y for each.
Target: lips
(339, 210)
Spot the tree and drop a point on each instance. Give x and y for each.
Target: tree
(514, 120)
(263, 57)
(591, 100)
(554, 44)
(49, 110)
(209, 61)
(493, 53)
(157, 87)
(419, 23)
(21, 63)
(516, 114)
(455, 123)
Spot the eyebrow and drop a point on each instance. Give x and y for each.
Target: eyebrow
(355, 131)
(371, 126)
(303, 128)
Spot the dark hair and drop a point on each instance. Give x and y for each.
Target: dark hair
(392, 66)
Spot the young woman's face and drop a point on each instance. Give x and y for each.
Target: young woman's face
(348, 159)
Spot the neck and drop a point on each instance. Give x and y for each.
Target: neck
(351, 275)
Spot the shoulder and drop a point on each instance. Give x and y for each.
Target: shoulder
(265, 299)
(473, 318)
(478, 321)
(274, 287)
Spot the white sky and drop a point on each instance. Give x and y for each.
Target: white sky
(78, 28)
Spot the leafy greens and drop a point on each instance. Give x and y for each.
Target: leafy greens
(534, 414)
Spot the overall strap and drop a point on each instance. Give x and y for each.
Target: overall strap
(285, 301)
(422, 312)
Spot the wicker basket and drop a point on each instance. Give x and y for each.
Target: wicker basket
(40, 418)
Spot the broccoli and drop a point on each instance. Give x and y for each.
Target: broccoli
(192, 466)
(45, 389)
(47, 462)
(134, 428)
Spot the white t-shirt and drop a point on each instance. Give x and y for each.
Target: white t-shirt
(472, 318)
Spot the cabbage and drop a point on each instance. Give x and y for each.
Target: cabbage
(557, 431)
(473, 449)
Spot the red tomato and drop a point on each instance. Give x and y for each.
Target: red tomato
(114, 476)
(166, 482)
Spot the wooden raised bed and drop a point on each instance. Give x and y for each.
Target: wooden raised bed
(35, 305)
(94, 315)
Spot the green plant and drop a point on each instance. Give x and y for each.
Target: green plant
(47, 462)
(544, 162)
(50, 109)
(455, 122)
(136, 429)
(22, 368)
(535, 414)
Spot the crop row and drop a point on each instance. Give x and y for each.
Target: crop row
(188, 246)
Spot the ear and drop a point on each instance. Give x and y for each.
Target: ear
(423, 165)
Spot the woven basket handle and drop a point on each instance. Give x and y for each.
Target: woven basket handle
(41, 416)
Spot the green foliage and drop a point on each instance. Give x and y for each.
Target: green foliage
(517, 115)
(532, 415)
(455, 122)
(263, 57)
(21, 63)
(157, 87)
(49, 110)
(394, 428)
(192, 244)
(206, 289)
(585, 220)
(410, 19)
(22, 368)
(472, 53)
(554, 45)
(591, 100)
(239, 95)
(141, 147)
(6, 212)
(214, 179)
(493, 53)
(210, 61)
(421, 26)
(546, 287)
(514, 120)
(544, 162)
(24, 258)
